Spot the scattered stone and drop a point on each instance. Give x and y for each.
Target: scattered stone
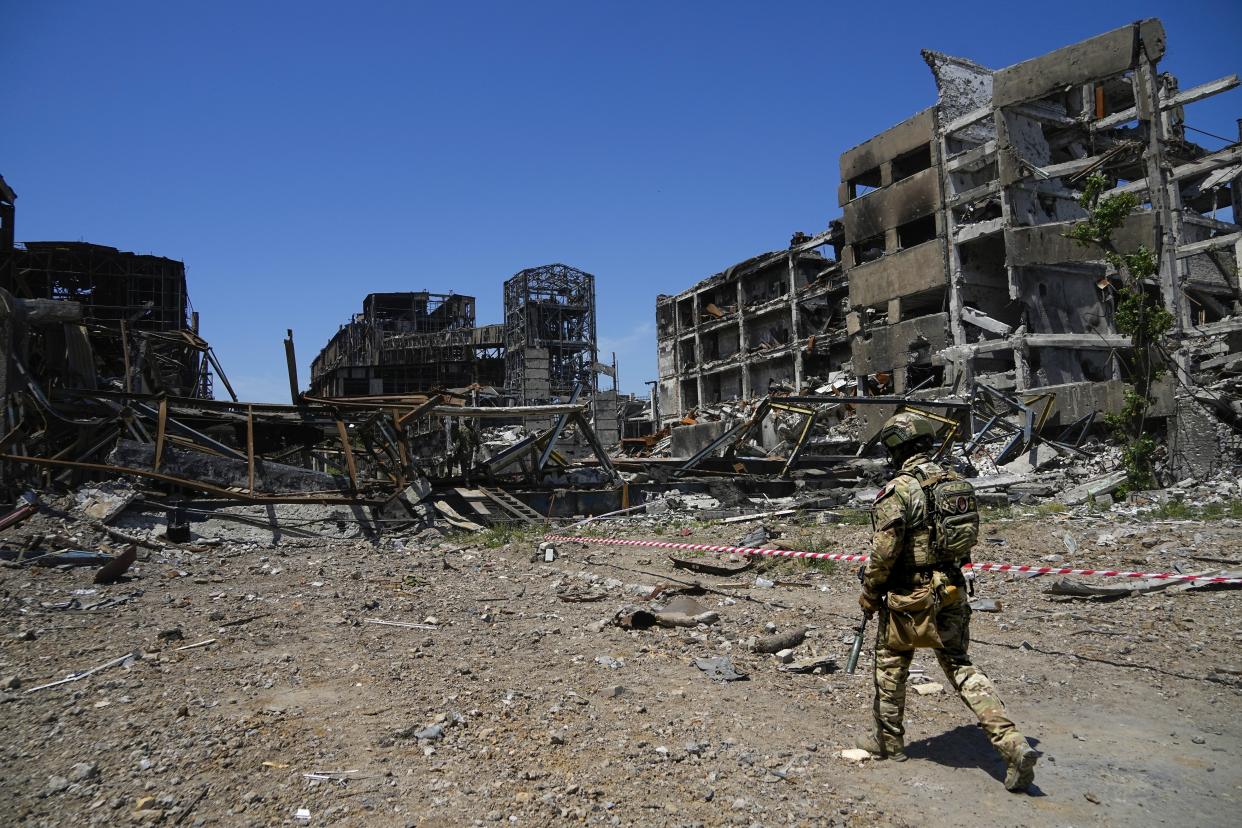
(720, 668)
(171, 634)
(83, 772)
(430, 732)
(55, 784)
(785, 656)
(12, 683)
(822, 663)
(783, 641)
(929, 688)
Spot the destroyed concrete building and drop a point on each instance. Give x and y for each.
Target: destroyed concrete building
(956, 253)
(773, 321)
(409, 342)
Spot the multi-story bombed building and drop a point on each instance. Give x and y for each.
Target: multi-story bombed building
(958, 220)
(956, 247)
(409, 342)
(775, 320)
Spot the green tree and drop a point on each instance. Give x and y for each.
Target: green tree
(1138, 314)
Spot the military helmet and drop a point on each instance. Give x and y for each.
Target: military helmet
(905, 427)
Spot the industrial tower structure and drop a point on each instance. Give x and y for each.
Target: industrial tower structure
(550, 334)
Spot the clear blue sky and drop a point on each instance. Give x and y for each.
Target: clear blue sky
(299, 155)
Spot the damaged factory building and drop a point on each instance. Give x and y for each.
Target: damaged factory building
(544, 353)
(952, 270)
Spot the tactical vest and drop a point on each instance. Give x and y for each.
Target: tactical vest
(950, 519)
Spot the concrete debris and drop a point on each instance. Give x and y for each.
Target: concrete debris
(985, 605)
(780, 641)
(720, 668)
(813, 664)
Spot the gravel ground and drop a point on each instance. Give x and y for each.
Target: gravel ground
(521, 704)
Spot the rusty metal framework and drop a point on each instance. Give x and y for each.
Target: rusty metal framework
(550, 345)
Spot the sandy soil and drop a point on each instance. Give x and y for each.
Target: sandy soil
(1134, 702)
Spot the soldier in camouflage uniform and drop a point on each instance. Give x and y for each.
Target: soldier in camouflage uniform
(901, 542)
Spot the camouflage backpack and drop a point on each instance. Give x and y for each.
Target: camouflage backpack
(952, 513)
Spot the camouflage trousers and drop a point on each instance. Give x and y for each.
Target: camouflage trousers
(892, 668)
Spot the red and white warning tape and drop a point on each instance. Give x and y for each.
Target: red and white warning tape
(838, 556)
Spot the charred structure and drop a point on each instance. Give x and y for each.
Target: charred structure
(77, 311)
(410, 342)
(549, 333)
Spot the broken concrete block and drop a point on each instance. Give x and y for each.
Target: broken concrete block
(985, 605)
(929, 689)
(855, 755)
(1031, 461)
(1100, 485)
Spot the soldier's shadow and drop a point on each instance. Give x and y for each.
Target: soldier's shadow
(966, 746)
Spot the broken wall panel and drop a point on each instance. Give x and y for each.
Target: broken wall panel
(915, 270)
(1102, 56)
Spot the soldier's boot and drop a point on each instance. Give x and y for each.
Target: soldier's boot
(882, 748)
(979, 694)
(887, 739)
(1020, 759)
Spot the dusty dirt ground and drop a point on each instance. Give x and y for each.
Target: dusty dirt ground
(1134, 703)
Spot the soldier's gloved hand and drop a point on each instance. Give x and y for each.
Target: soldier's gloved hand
(870, 603)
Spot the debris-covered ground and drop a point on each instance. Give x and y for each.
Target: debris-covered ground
(499, 691)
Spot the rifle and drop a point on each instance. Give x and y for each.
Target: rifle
(859, 631)
(856, 650)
